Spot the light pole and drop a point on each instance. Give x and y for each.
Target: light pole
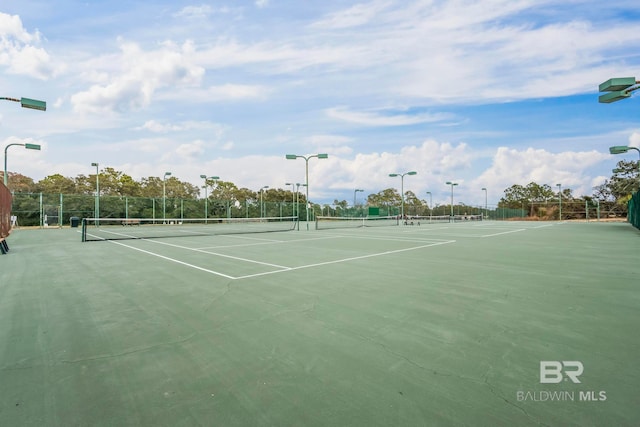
(293, 198)
(261, 202)
(486, 211)
(559, 200)
(27, 146)
(306, 160)
(206, 196)
(97, 207)
(164, 196)
(452, 184)
(430, 205)
(401, 175)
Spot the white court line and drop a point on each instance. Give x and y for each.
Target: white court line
(268, 242)
(346, 259)
(218, 254)
(426, 229)
(504, 232)
(172, 260)
(389, 239)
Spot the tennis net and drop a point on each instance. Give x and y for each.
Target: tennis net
(328, 222)
(96, 229)
(435, 219)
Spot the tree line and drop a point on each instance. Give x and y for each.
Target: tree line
(543, 200)
(534, 199)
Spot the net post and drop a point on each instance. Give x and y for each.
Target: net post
(84, 229)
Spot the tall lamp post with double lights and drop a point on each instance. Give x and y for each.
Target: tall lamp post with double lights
(452, 184)
(97, 202)
(164, 196)
(306, 160)
(430, 205)
(486, 211)
(401, 175)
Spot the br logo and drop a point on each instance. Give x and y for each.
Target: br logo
(551, 371)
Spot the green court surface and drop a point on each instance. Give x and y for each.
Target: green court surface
(435, 325)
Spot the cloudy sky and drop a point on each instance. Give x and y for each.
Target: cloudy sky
(486, 93)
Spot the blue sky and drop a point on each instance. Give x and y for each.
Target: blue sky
(485, 93)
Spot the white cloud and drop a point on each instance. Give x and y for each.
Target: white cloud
(165, 127)
(235, 91)
(155, 126)
(11, 28)
(190, 12)
(262, 3)
(372, 118)
(512, 166)
(335, 144)
(19, 51)
(140, 74)
(191, 150)
(357, 15)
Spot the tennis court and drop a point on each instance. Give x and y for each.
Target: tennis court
(430, 324)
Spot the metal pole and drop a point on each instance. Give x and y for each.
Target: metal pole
(402, 197)
(560, 200)
(164, 196)
(6, 176)
(97, 203)
(452, 201)
(298, 204)
(307, 184)
(206, 198)
(486, 211)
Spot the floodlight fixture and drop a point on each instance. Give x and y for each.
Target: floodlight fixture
(617, 89)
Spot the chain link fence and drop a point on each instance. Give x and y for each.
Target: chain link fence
(56, 210)
(634, 210)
